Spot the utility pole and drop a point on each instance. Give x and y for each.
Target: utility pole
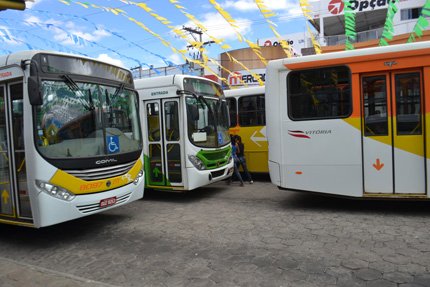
(199, 32)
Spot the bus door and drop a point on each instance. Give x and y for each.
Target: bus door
(163, 149)
(393, 133)
(172, 144)
(14, 198)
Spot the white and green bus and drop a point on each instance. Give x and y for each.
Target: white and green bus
(187, 142)
(70, 138)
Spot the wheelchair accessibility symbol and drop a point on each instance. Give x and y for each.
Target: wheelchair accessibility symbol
(220, 138)
(112, 143)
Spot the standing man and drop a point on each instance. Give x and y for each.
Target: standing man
(242, 160)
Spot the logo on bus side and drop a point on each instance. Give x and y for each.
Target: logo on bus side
(5, 74)
(104, 161)
(307, 134)
(390, 63)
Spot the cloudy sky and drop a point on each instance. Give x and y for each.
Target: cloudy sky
(130, 36)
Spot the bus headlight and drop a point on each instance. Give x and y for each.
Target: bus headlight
(55, 191)
(197, 162)
(139, 175)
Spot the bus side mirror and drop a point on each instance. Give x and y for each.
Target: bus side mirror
(34, 93)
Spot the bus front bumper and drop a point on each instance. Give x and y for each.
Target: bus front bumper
(199, 178)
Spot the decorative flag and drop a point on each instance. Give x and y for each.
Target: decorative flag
(181, 34)
(421, 24)
(267, 14)
(350, 33)
(388, 31)
(255, 48)
(304, 4)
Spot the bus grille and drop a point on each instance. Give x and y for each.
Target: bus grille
(215, 155)
(101, 173)
(218, 173)
(88, 208)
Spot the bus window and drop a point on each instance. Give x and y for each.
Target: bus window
(252, 111)
(232, 109)
(171, 121)
(153, 119)
(323, 93)
(408, 103)
(375, 106)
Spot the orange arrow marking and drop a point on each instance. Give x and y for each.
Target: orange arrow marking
(378, 165)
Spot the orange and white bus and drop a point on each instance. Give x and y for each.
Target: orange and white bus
(248, 120)
(351, 123)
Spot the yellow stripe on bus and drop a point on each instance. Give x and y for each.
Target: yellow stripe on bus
(19, 223)
(400, 142)
(79, 186)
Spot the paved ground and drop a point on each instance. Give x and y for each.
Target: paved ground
(227, 236)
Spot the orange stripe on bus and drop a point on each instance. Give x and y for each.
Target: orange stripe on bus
(361, 63)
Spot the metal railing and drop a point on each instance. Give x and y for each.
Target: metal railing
(361, 37)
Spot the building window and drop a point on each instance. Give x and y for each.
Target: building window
(320, 93)
(409, 14)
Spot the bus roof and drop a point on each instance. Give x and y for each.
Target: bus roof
(244, 91)
(17, 57)
(163, 81)
(345, 56)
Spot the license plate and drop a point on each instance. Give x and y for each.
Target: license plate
(107, 202)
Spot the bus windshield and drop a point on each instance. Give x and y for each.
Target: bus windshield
(208, 118)
(207, 121)
(80, 120)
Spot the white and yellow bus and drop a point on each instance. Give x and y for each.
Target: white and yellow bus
(70, 138)
(353, 123)
(248, 120)
(186, 143)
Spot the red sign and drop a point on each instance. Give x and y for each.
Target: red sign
(107, 202)
(336, 6)
(234, 79)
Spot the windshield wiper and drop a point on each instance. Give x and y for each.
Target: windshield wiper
(81, 97)
(201, 99)
(118, 90)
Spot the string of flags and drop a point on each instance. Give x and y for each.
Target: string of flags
(304, 5)
(255, 48)
(121, 12)
(6, 37)
(204, 30)
(267, 14)
(77, 40)
(116, 34)
(180, 33)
